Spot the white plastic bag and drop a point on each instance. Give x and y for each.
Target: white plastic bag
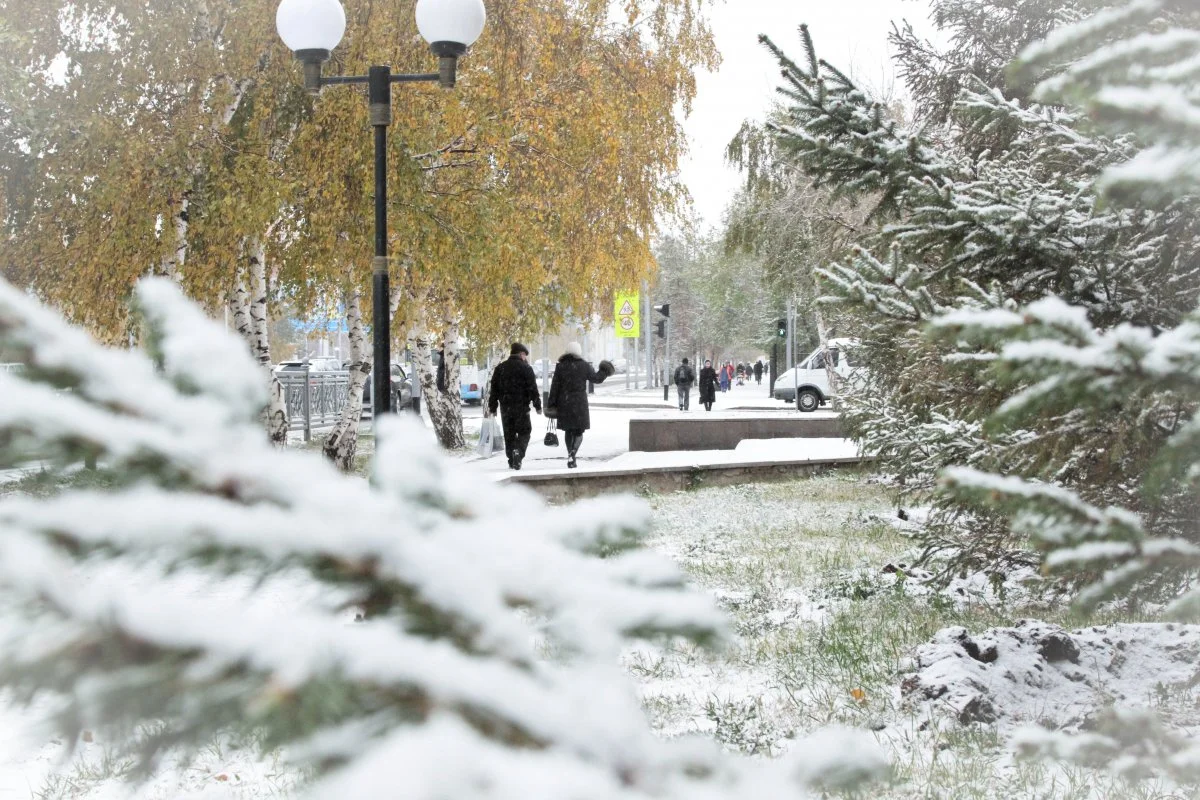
(484, 448)
(491, 437)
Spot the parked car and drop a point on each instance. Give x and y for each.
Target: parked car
(319, 364)
(809, 378)
(401, 389)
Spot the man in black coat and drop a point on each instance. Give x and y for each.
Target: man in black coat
(513, 388)
(758, 371)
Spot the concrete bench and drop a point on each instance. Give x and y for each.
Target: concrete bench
(723, 432)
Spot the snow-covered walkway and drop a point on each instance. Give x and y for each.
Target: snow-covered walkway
(606, 445)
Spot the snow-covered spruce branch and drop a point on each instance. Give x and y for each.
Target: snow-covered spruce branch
(894, 289)
(1058, 357)
(134, 605)
(1132, 743)
(1133, 68)
(1079, 537)
(840, 136)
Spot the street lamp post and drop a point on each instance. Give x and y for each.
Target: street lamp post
(312, 29)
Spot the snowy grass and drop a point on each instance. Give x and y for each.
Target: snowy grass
(44, 483)
(231, 767)
(824, 633)
(823, 636)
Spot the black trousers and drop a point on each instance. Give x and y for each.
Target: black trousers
(517, 430)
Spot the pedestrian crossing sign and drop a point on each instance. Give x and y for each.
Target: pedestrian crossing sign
(625, 315)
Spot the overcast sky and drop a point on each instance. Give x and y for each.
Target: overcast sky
(846, 32)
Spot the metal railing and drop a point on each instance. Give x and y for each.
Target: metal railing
(314, 399)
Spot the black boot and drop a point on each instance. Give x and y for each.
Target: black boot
(574, 440)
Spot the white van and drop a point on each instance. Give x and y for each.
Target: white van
(809, 377)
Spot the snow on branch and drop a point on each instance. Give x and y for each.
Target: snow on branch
(145, 603)
(1133, 68)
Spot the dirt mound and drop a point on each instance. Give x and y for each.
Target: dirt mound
(1040, 673)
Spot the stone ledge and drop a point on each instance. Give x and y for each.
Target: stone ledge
(560, 487)
(724, 433)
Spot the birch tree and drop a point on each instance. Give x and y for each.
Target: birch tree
(533, 191)
(175, 135)
(342, 442)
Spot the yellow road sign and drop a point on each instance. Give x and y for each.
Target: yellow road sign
(625, 315)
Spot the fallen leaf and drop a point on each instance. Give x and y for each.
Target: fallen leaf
(859, 695)
(222, 777)
(88, 737)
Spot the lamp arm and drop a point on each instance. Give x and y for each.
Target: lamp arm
(314, 80)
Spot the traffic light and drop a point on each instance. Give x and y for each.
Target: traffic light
(664, 309)
(661, 328)
(781, 327)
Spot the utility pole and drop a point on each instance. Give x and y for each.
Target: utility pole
(791, 349)
(665, 332)
(591, 387)
(628, 367)
(667, 364)
(545, 368)
(649, 344)
(636, 364)
(790, 333)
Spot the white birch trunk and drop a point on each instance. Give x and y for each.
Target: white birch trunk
(257, 269)
(835, 380)
(250, 320)
(172, 263)
(445, 408)
(446, 412)
(342, 444)
(239, 305)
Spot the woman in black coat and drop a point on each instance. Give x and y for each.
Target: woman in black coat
(708, 386)
(568, 402)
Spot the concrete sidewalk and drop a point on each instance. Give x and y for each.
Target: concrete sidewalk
(753, 460)
(739, 398)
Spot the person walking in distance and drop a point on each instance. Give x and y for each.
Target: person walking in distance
(723, 377)
(513, 388)
(758, 371)
(685, 376)
(708, 386)
(568, 402)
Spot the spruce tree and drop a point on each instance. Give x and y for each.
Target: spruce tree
(1011, 204)
(484, 662)
(1136, 525)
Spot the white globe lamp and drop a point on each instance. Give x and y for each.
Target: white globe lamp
(311, 28)
(450, 26)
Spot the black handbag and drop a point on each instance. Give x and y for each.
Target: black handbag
(551, 439)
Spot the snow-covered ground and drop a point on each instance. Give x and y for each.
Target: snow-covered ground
(609, 436)
(833, 626)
